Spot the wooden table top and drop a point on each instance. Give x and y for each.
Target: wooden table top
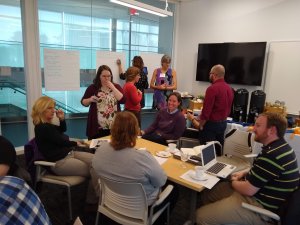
(172, 166)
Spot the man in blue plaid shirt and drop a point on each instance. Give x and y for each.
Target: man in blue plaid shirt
(19, 204)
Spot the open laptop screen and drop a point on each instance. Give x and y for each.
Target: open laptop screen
(208, 154)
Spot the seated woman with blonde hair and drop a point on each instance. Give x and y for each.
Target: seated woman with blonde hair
(54, 145)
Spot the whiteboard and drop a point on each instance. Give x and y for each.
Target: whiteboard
(283, 74)
(152, 62)
(61, 70)
(110, 59)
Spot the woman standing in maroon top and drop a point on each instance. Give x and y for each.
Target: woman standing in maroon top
(133, 95)
(104, 98)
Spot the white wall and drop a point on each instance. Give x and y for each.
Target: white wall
(209, 21)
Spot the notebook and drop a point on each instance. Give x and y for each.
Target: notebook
(211, 165)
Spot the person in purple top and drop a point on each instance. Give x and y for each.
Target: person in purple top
(169, 123)
(216, 107)
(163, 82)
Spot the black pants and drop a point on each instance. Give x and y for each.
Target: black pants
(101, 133)
(172, 198)
(213, 131)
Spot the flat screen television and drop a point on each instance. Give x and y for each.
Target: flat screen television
(243, 62)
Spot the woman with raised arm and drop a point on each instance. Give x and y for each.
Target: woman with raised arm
(132, 94)
(142, 84)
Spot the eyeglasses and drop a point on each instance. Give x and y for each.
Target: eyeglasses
(106, 76)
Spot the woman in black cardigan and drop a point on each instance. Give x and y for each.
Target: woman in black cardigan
(54, 145)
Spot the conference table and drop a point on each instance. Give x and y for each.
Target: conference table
(174, 170)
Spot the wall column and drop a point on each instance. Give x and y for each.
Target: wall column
(31, 44)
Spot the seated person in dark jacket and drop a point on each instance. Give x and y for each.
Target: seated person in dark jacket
(53, 144)
(169, 123)
(7, 157)
(8, 165)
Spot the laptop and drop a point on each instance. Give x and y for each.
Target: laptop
(210, 163)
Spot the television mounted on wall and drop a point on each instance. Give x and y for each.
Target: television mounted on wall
(243, 62)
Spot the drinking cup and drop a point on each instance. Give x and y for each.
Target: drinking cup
(199, 171)
(172, 147)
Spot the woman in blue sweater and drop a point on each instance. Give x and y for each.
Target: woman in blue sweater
(169, 123)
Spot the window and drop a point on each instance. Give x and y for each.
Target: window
(82, 25)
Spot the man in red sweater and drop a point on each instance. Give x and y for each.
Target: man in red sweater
(217, 106)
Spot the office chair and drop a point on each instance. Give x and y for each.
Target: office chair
(294, 141)
(40, 170)
(126, 203)
(237, 145)
(189, 139)
(43, 175)
(185, 142)
(289, 213)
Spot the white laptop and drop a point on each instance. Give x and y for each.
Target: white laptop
(210, 163)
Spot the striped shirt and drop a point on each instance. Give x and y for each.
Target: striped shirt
(275, 172)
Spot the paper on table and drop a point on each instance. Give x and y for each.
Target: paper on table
(209, 183)
(160, 160)
(95, 143)
(192, 151)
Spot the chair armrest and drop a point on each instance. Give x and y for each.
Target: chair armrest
(171, 141)
(261, 211)
(250, 155)
(192, 129)
(44, 163)
(163, 195)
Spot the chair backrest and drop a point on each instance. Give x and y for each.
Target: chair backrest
(239, 143)
(32, 154)
(294, 142)
(236, 126)
(126, 199)
(291, 215)
(184, 142)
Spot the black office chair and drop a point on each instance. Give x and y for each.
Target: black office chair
(192, 135)
(289, 213)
